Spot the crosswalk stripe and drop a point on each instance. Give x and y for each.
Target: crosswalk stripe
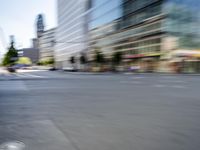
(21, 75)
(29, 75)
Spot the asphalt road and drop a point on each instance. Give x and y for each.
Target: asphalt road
(72, 111)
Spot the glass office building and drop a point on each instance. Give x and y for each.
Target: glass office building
(136, 28)
(183, 22)
(144, 30)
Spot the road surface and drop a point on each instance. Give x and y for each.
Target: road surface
(75, 111)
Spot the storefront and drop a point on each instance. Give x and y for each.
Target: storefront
(142, 62)
(186, 61)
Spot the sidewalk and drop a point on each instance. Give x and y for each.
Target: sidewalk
(87, 73)
(3, 71)
(130, 73)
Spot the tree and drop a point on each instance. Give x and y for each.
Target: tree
(117, 58)
(11, 56)
(51, 61)
(83, 59)
(99, 57)
(24, 61)
(48, 61)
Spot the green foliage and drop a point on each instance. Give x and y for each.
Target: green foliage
(39, 63)
(24, 60)
(49, 61)
(117, 58)
(83, 59)
(99, 57)
(10, 57)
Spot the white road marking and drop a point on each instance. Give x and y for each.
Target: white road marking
(135, 82)
(131, 82)
(159, 85)
(169, 77)
(25, 71)
(170, 86)
(138, 77)
(37, 76)
(21, 75)
(179, 86)
(29, 75)
(174, 81)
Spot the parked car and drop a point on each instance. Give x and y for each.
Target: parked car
(11, 69)
(134, 68)
(52, 69)
(21, 66)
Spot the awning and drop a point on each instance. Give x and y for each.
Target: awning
(186, 53)
(196, 55)
(152, 54)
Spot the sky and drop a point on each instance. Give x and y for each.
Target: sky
(18, 18)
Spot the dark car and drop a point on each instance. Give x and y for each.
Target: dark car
(11, 69)
(52, 69)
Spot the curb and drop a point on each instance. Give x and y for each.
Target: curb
(129, 73)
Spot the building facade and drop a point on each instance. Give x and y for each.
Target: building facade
(46, 45)
(136, 30)
(40, 25)
(32, 53)
(71, 33)
(145, 31)
(35, 43)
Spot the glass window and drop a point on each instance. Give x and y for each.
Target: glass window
(106, 11)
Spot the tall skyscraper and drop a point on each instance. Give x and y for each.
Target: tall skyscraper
(45, 40)
(71, 33)
(40, 25)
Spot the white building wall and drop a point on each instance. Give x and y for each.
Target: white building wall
(46, 45)
(71, 38)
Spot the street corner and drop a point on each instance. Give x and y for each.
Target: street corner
(3, 71)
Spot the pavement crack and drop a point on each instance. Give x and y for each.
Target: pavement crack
(66, 135)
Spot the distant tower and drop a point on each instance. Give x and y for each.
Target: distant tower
(40, 25)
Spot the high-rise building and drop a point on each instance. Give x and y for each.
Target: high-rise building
(71, 35)
(45, 40)
(40, 25)
(46, 45)
(145, 31)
